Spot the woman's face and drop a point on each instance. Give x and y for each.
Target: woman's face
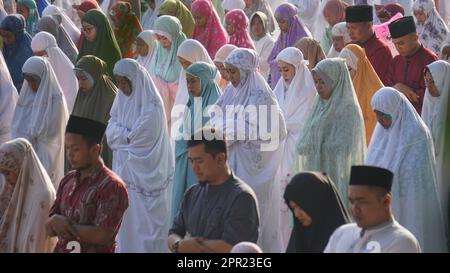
(322, 89)
(10, 176)
(165, 43)
(234, 74)
(40, 53)
(193, 85)
(83, 82)
(90, 32)
(300, 214)
(287, 71)
(223, 71)
(124, 85)
(229, 28)
(23, 10)
(184, 63)
(384, 119)
(141, 47)
(257, 26)
(33, 82)
(200, 20)
(283, 24)
(338, 43)
(8, 37)
(248, 3)
(421, 17)
(429, 82)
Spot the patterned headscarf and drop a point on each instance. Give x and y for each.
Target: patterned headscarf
(240, 37)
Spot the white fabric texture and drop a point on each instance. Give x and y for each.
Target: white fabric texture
(8, 100)
(66, 6)
(435, 115)
(149, 39)
(264, 47)
(72, 30)
(310, 12)
(22, 224)
(233, 4)
(406, 149)
(41, 117)
(350, 58)
(62, 66)
(339, 30)
(295, 100)
(192, 51)
(434, 30)
(335, 126)
(149, 17)
(137, 133)
(223, 53)
(247, 158)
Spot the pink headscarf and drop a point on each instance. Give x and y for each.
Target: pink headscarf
(213, 35)
(241, 37)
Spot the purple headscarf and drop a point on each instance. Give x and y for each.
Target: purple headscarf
(296, 31)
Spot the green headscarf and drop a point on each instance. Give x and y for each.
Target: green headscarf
(96, 103)
(184, 176)
(105, 45)
(33, 15)
(334, 127)
(167, 67)
(178, 9)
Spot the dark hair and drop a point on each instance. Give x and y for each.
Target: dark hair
(212, 138)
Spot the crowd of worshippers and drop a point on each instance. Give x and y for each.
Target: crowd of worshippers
(111, 141)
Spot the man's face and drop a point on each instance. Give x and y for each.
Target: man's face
(78, 151)
(359, 31)
(406, 45)
(368, 206)
(205, 165)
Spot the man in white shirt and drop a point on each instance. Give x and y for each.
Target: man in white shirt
(375, 230)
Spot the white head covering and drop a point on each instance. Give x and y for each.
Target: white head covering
(435, 115)
(233, 4)
(144, 162)
(223, 53)
(149, 39)
(22, 225)
(310, 12)
(334, 127)
(193, 51)
(406, 149)
(434, 30)
(8, 100)
(3, 12)
(149, 17)
(72, 30)
(41, 117)
(339, 30)
(350, 58)
(246, 247)
(62, 66)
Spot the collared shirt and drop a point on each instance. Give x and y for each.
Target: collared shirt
(226, 212)
(98, 200)
(379, 55)
(409, 71)
(389, 237)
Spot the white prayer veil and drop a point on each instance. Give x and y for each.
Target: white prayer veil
(62, 66)
(72, 30)
(149, 39)
(137, 133)
(25, 210)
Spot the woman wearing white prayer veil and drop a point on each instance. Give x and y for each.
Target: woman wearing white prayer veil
(8, 100)
(436, 117)
(72, 30)
(25, 203)
(150, 15)
(295, 92)
(340, 38)
(41, 116)
(44, 44)
(145, 48)
(333, 137)
(403, 144)
(137, 133)
(189, 52)
(310, 12)
(254, 152)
